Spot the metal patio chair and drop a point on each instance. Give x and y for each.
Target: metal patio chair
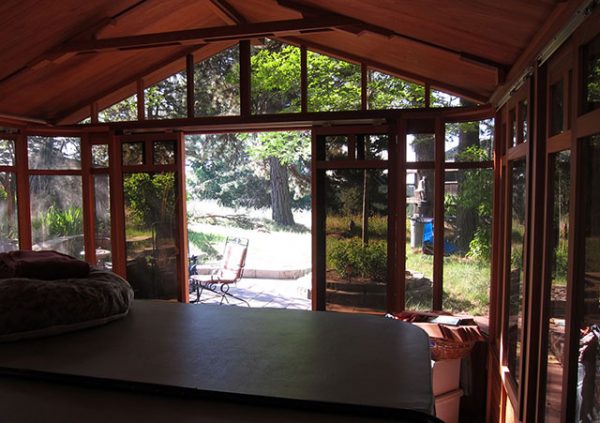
(229, 272)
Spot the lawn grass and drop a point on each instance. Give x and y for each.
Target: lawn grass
(466, 283)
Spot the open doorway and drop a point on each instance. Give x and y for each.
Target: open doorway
(253, 187)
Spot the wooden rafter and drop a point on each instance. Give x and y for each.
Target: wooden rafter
(361, 26)
(227, 12)
(207, 35)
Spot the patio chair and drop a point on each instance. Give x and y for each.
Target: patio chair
(229, 272)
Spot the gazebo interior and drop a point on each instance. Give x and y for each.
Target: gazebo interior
(79, 114)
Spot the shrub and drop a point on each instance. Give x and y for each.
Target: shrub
(351, 258)
(64, 222)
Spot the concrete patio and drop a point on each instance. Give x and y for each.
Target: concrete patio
(261, 293)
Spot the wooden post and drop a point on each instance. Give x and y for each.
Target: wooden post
(304, 80)
(245, 79)
(141, 100)
(23, 202)
(438, 216)
(364, 86)
(189, 68)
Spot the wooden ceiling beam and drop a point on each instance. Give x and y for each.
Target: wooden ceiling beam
(410, 76)
(227, 12)
(361, 26)
(207, 35)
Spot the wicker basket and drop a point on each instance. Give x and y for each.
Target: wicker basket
(442, 349)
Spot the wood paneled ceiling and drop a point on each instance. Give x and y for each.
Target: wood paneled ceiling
(59, 57)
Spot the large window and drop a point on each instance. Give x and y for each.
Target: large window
(515, 283)
(588, 385)
(9, 237)
(55, 190)
(558, 266)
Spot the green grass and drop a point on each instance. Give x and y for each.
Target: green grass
(204, 242)
(466, 284)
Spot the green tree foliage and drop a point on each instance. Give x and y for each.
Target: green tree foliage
(389, 92)
(124, 110)
(149, 199)
(332, 84)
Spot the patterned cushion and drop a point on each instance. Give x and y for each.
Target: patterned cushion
(33, 307)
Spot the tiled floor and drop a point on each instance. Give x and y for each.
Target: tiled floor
(273, 293)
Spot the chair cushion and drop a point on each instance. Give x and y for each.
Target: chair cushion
(32, 308)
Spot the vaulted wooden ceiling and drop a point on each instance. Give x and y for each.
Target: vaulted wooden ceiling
(58, 57)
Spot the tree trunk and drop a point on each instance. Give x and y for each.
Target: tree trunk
(281, 202)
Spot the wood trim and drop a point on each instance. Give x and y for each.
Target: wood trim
(190, 85)
(245, 79)
(94, 113)
(227, 12)
(562, 12)
(352, 164)
(182, 241)
(117, 207)
(318, 284)
(23, 199)
(303, 79)
(141, 100)
(399, 164)
(558, 142)
(536, 230)
(308, 11)
(587, 124)
(364, 86)
(352, 129)
(438, 215)
(519, 151)
(207, 35)
(469, 165)
(88, 202)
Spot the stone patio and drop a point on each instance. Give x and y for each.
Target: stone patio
(261, 293)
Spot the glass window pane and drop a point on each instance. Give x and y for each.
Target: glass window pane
(336, 148)
(99, 155)
(388, 92)
(168, 98)
(125, 110)
(556, 108)
(103, 221)
(217, 84)
(591, 75)
(419, 238)
(372, 147)
(559, 251)
(420, 148)
(513, 128)
(588, 365)
(523, 121)
(356, 239)
(516, 276)
(333, 84)
(470, 141)
(7, 152)
(467, 241)
(164, 152)
(56, 214)
(9, 231)
(150, 234)
(275, 78)
(133, 153)
(442, 99)
(54, 152)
